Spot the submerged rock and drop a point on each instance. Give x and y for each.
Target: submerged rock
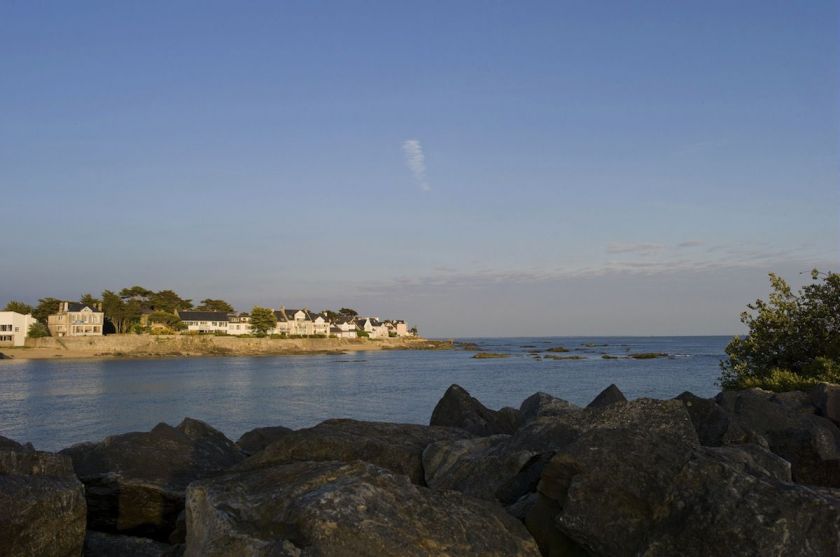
(336, 508)
(397, 447)
(42, 503)
(458, 409)
(257, 439)
(135, 482)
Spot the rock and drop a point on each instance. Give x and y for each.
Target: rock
(42, 504)
(135, 482)
(539, 405)
(336, 508)
(610, 395)
(714, 425)
(826, 398)
(712, 504)
(601, 485)
(100, 544)
(458, 409)
(397, 447)
(257, 439)
(639, 483)
(787, 421)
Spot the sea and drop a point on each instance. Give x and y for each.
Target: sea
(55, 404)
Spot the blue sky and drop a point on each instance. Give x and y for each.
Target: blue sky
(478, 168)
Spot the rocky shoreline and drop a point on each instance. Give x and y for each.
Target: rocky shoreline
(744, 473)
(180, 346)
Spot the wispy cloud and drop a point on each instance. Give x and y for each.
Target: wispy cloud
(637, 248)
(416, 162)
(690, 244)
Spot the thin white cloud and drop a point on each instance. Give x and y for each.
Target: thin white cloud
(641, 249)
(416, 162)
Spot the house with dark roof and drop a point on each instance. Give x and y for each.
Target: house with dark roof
(74, 319)
(372, 326)
(300, 322)
(239, 324)
(205, 321)
(344, 328)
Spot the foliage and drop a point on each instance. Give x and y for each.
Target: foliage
(362, 334)
(793, 338)
(167, 300)
(122, 313)
(262, 320)
(90, 301)
(45, 307)
(348, 312)
(170, 320)
(18, 307)
(38, 330)
(215, 305)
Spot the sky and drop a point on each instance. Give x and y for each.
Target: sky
(475, 168)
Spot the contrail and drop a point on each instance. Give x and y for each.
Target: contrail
(416, 162)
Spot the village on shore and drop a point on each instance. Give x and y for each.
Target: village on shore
(90, 318)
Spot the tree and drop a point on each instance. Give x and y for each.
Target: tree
(170, 320)
(167, 300)
(330, 315)
(122, 313)
(18, 307)
(135, 292)
(215, 305)
(793, 339)
(90, 301)
(38, 330)
(262, 320)
(348, 312)
(45, 308)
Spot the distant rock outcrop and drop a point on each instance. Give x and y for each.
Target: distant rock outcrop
(458, 409)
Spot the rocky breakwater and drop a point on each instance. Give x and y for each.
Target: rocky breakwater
(744, 473)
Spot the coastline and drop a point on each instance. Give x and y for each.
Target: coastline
(177, 346)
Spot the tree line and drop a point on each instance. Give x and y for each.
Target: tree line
(124, 310)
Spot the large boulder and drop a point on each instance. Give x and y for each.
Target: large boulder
(715, 426)
(397, 447)
(257, 439)
(638, 482)
(135, 482)
(540, 405)
(101, 544)
(42, 503)
(826, 399)
(792, 429)
(338, 508)
(610, 395)
(458, 409)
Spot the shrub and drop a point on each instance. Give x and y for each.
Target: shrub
(38, 330)
(793, 339)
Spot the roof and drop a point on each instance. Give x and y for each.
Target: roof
(203, 315)
(76, 306)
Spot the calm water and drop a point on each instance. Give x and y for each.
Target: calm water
(54, 404)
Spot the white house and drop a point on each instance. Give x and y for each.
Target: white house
(14, 327)
(300, 322)
(372, 326)
(205, 321)
(239, 324)
(344, 329)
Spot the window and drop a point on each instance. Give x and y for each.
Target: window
(6, 338)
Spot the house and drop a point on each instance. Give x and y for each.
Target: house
(239, 324)
(344, 329)
(372, 326)
(300, 322)
(76, 320)
(205, 321)
(14, 327)
(397, 328)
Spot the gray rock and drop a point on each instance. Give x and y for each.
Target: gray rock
(397, 447)
(755, 460)
(101, 544)
(826, 398)
(458, 409)
(342, 509)
(540, 405)
(257, 439)
(610, 395)
(42, 504)
(787, 421)
(135, 482)
(715, 426)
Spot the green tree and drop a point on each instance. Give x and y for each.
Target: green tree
(348, 312)
(167, 300)
(136, 293)
(215, 305)
(122, 313)
(169, 319)
(89, 300)
(38, 330)
(45, 307)
(262, 320)
(330, 315)
(793, 338)
(18, 307)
